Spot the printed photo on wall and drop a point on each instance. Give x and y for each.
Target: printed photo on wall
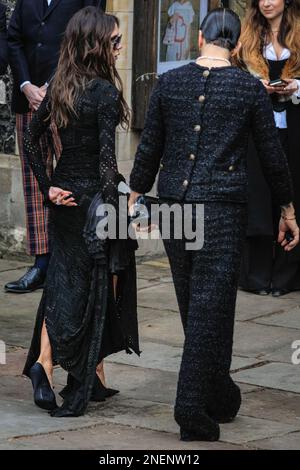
(178, 32)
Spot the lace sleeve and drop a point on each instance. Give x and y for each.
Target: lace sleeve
(35, 130)
(108, 118)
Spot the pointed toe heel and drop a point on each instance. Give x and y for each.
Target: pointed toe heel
(100, 392)
(43, 394)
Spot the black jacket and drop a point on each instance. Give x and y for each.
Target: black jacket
(34, 39)
(3, 40)
(196, 133)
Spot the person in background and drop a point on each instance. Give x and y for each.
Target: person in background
(196, 137)
(34, 37)
(271, 50)
(3, 40)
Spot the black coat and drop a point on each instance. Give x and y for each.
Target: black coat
(34, 40)
(197, 132)
(3, 39)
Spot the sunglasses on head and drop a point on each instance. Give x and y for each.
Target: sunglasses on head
(116, 41)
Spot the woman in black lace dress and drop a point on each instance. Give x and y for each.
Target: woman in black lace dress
(88, 308)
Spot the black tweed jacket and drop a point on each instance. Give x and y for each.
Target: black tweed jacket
(196, 136)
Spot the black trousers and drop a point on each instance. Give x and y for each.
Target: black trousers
(265, 264)
(206, 284)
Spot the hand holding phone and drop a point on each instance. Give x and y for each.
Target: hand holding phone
(279, 82)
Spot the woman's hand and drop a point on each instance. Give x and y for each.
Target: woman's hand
(289, 89)
(132, 198)
(58, 196)
(288, 226)
(270, 89)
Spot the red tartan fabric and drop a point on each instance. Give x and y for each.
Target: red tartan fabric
(37, 215)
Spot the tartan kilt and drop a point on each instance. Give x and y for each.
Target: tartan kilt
(36, 214)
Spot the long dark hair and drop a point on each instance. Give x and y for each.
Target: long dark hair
(86, 53)
(221, 27)
(256, 33)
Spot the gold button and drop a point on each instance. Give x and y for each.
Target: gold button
(206, 73)
(161, 166)
(231, 168)
(192, 156)
(201, 98)
(197, 128)
(185, 183)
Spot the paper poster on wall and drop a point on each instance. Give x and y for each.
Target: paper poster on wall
(178, 32)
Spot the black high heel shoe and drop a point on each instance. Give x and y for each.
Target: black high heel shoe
(43, 394)
(100, 392)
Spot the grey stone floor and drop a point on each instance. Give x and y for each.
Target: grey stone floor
(141, 416)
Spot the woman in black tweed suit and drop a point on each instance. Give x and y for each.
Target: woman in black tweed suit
(196, 132)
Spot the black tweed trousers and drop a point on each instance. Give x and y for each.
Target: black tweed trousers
(206, 284)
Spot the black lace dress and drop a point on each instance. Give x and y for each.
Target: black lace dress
(84, 320)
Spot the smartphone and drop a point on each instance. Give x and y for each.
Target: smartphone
(278, 82)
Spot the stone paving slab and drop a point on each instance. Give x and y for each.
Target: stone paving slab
(289, 441)
(166, 358)
(250, 306)
(283, 354)
(16, 329)
(286, 319)
(245, 429)
(158, 297)
(159, 417)
(152, 273)
(15, 361)
(166, 328)
(9, 265)
(276, 375)
(142, 414)
(24, 418)
(253, 340)
(111, 437)
(274, 405)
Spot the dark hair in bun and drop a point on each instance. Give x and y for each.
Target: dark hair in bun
(222, 27)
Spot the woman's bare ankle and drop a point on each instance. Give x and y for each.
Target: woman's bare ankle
(48, 367)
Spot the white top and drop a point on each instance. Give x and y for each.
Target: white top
(270, 54)
(184, 9)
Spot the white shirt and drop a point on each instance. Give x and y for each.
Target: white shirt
(25, 83)
(270, 54)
